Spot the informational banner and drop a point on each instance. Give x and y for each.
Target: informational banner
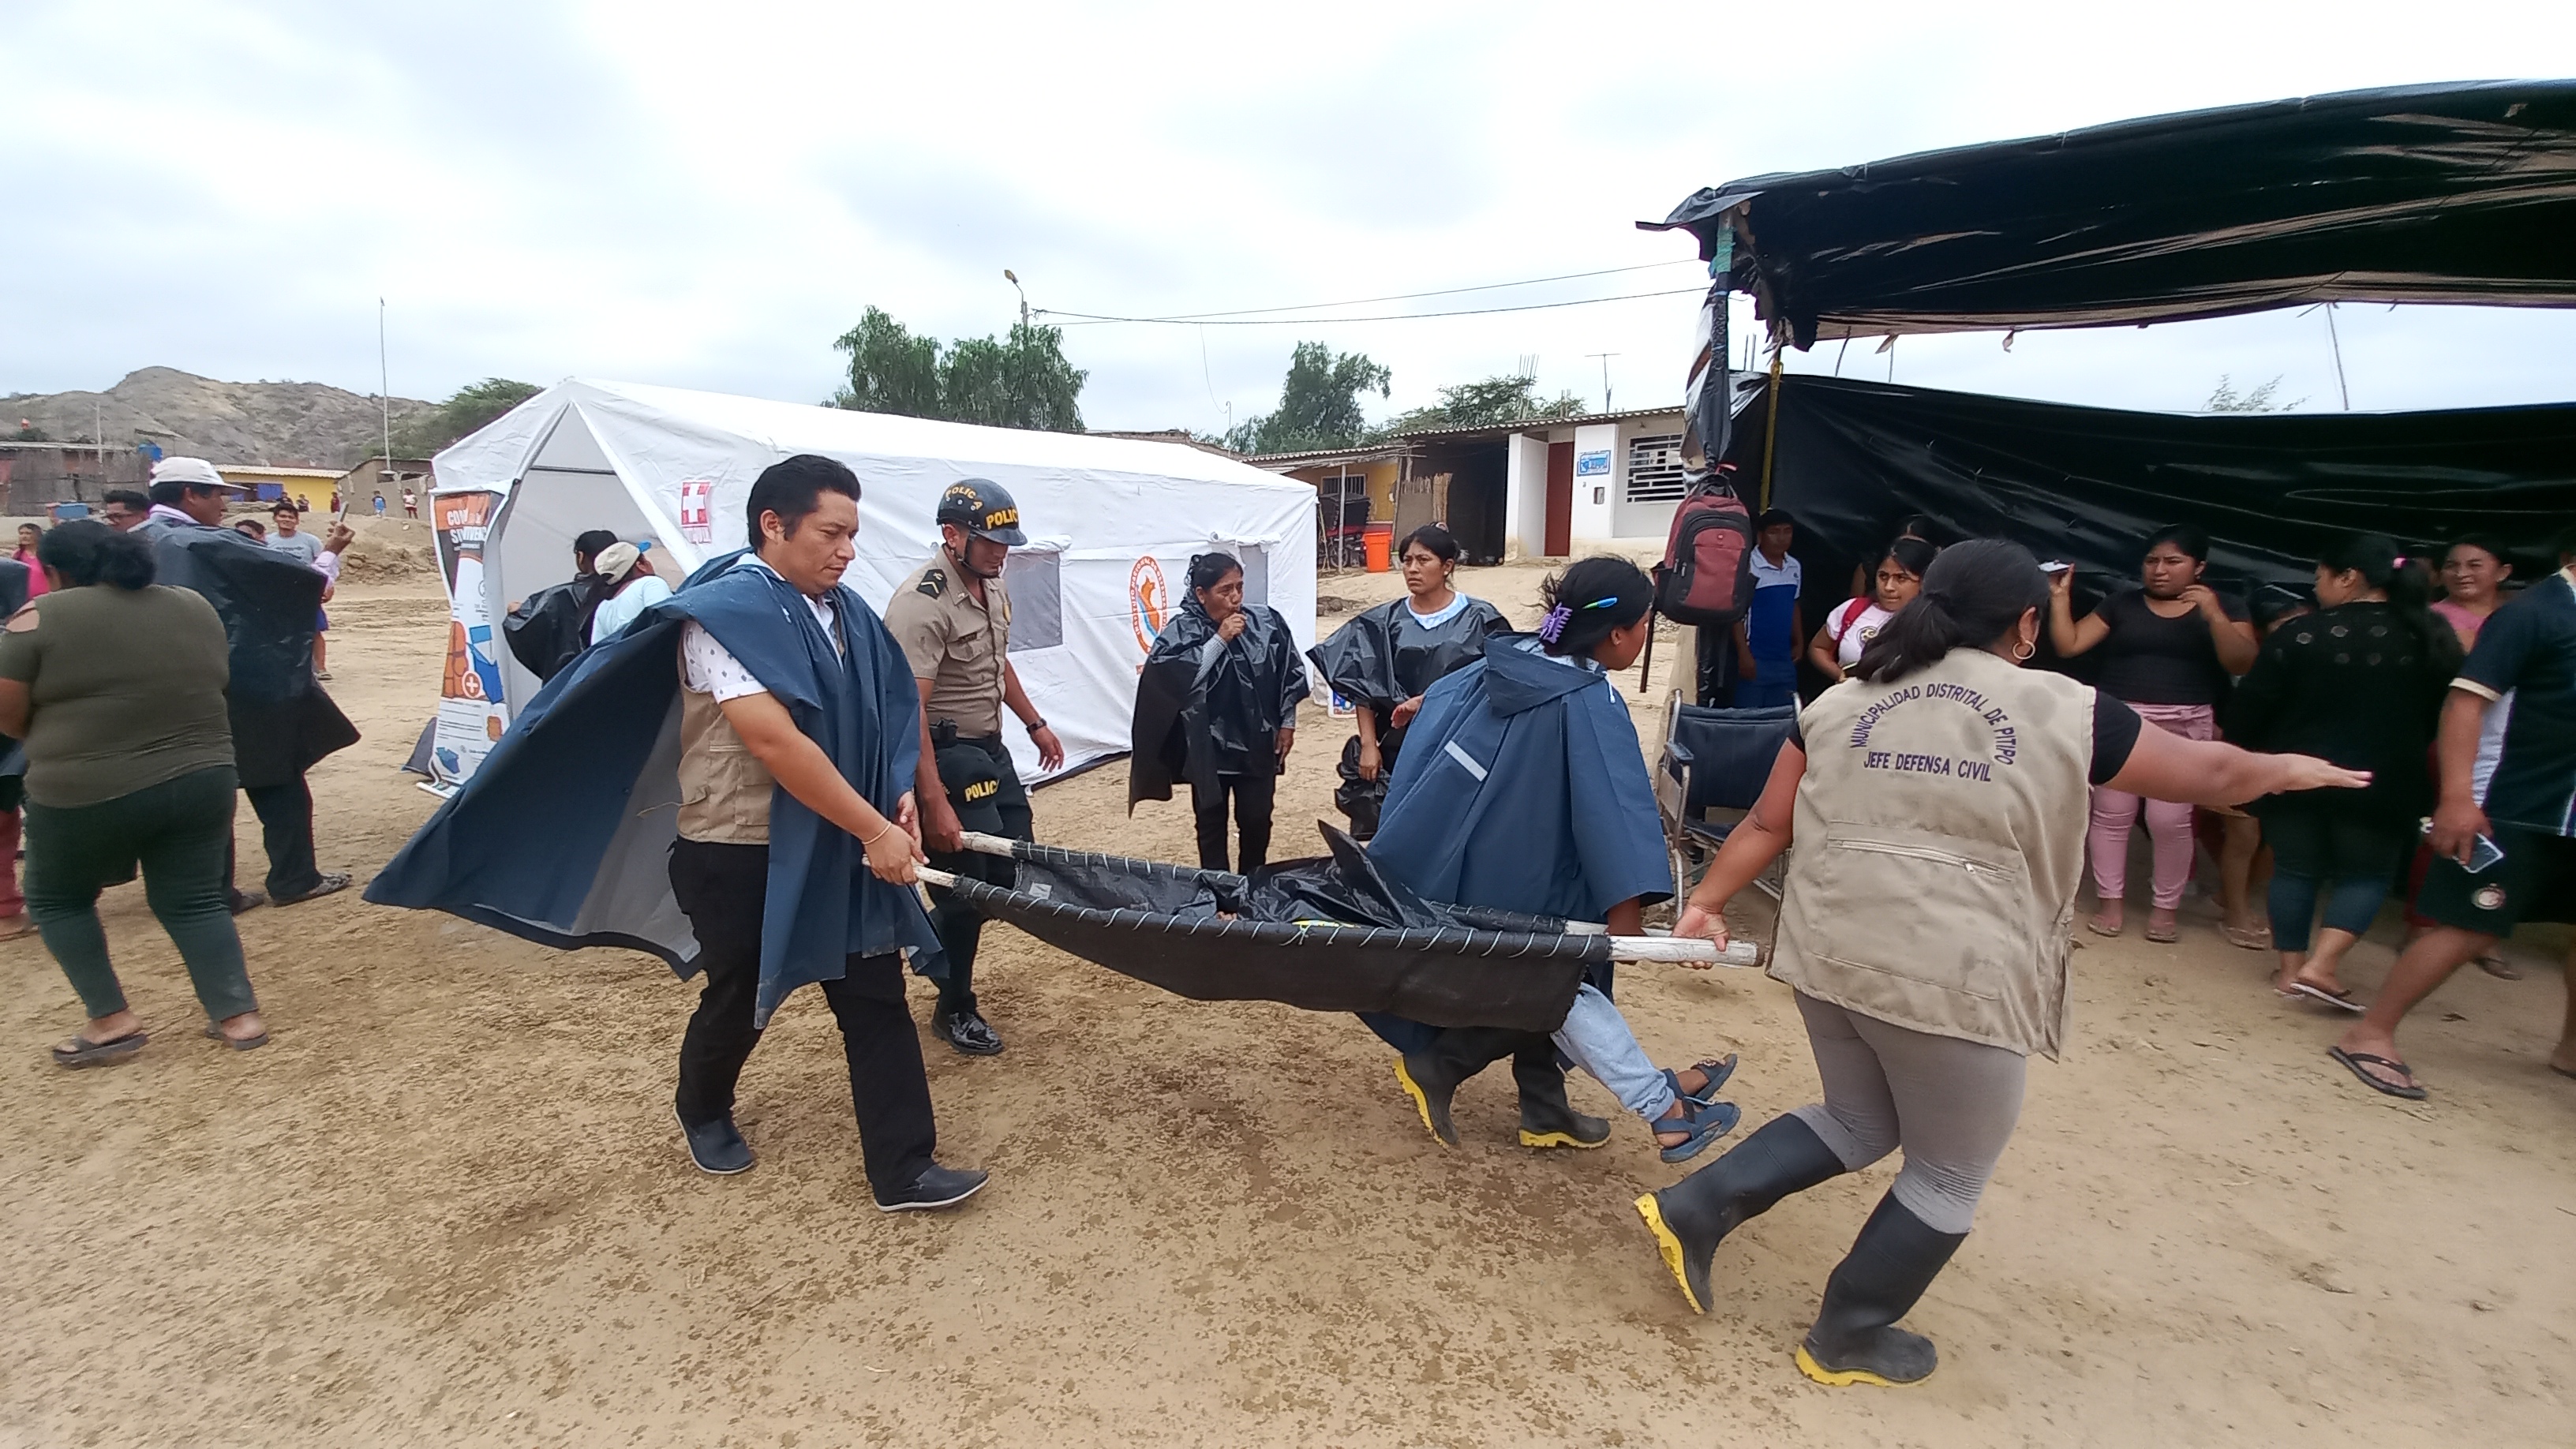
(469, 689)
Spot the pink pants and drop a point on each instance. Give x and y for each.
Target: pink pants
(2168, 824)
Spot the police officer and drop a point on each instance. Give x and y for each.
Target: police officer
(953, 619)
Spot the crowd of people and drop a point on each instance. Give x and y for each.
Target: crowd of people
(1947, 805)
(2372, 666)
(153, 665)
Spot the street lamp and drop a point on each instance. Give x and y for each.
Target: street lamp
(1013, 278)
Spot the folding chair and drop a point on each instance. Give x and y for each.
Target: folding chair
(1714, 766)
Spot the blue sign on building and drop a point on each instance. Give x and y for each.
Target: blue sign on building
(1592, 465)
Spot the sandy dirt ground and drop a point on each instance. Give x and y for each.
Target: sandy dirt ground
(448, 1206)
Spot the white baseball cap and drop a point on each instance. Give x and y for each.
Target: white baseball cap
(195, 473)
(616, 560)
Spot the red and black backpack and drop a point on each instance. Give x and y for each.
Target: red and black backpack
(1706, 577)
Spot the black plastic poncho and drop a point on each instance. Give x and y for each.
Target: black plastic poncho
(1207, 706)
(1381, 659)
(269, 601)
(552, 626)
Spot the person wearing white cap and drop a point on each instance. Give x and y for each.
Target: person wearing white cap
(631, 587)
(282, 721)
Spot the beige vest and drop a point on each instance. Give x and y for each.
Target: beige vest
(724, 791)
(1938, 842)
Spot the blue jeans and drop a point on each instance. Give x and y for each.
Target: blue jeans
(1596, 1036)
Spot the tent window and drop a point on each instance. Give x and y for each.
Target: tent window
(1655, 469)
(1256, 572)
(1035, 578)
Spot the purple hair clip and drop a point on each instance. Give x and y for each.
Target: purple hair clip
(1552, 628)
(2399, 562)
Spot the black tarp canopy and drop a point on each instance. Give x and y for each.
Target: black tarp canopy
(2461, 193)
(2087, 485)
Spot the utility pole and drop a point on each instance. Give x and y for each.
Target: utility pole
(2336, 338)
(1605, 376)
(384, 389)
(1014, 279)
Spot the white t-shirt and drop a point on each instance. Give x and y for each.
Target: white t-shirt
(616, 613)
(1852, 629)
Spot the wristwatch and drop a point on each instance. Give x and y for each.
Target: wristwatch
(1033, 725)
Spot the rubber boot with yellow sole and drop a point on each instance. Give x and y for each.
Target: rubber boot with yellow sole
(1856, 1340)
(1547, 1119)
(1691, 1217)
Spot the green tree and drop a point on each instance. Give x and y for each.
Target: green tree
(2224, 398)
(891, 371)
(1319, 403)
(1022, 381)
(469, 408)
(1508, 398)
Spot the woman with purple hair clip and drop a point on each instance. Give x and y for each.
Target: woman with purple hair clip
(1522, 787)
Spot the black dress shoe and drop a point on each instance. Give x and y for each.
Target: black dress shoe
(968, 1032)
(937, 1187)
(716, 1147)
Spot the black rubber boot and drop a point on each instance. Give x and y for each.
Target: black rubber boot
(1691, 1217)
(1432, 1076)
(1547, 1119)
(1856, 1340)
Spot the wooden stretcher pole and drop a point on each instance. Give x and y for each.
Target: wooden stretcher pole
(982, 844)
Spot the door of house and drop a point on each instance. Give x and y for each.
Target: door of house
(1560, 499)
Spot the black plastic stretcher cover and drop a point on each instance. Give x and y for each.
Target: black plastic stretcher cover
(2443, 193)
(2087, 485)
(1324, 934)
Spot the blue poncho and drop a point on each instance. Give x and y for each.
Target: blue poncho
(1522, 787)
(564, 835)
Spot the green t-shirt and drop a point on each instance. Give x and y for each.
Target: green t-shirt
(127, 690)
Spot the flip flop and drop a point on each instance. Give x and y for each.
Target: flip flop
(237, 1043)
(22, 927)
(2094, 924)
(2251, 938)
(87, 1053)
(2495, 966)
(2355, 1062)
(2167, 936)
(2341, 998)
(2562, 1071)
(330, 884)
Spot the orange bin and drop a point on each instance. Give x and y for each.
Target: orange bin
(1379, 541)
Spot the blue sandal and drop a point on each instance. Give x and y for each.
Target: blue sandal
(1716, 1071)
(1704, 1122)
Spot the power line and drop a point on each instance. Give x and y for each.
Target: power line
(1366, 301)
(1086, 319)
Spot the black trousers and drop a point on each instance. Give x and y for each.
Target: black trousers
(1252, 794)
(985, 790)
(723, 888)
(286, 832)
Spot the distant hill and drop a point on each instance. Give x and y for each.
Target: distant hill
(275, 424)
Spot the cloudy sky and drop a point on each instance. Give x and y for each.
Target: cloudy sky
(705, 195)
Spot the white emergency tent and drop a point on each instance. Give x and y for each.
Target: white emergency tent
(1111, 522)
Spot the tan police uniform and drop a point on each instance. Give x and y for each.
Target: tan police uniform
(961, 644)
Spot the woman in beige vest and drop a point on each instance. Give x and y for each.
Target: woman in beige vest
(1938, 798)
